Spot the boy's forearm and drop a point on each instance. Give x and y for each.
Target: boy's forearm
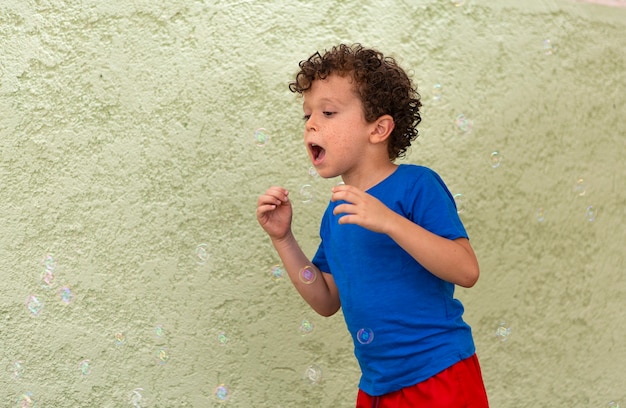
(450, 260)
(314, 289)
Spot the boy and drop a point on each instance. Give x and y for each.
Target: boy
(393, 246)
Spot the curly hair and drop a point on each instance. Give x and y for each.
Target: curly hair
(382, 85)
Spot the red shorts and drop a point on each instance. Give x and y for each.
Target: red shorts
(458, 386)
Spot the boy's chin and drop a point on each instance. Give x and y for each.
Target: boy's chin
(326, 174)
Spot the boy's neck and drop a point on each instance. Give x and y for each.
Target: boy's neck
(368, 179)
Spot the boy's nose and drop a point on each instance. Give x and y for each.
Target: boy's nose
(310, 124)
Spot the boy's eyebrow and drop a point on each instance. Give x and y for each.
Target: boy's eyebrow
(325, 100)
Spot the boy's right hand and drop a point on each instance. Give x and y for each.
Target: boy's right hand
(274, 212)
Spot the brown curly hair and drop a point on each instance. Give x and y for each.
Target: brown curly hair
(383, 86)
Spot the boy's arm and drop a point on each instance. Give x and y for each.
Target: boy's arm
(318, 290)
(451, 260)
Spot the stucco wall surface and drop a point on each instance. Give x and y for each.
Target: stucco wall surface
(135, 137)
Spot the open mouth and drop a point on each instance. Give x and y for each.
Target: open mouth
(317, 153)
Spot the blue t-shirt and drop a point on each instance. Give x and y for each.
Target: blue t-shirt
(404, 321)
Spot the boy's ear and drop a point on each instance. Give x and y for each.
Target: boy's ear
(383, 126)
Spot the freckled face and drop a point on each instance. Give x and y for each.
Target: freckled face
(336, 132)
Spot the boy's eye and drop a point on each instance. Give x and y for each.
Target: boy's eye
(325, 113)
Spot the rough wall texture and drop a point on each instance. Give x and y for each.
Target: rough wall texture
(135, 274)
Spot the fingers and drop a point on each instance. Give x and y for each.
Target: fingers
(346, 193)
(273, 196)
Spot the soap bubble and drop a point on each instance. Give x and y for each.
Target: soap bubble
(278, 272)
(580, 187)
(135, 397)
(540, 214)
(306, 327)
(503, 331)
(313, 172)
(201, 254)
(25, 400)
(459, 201)
(458, 3)
(120, 338)
(548, 47)
(306, 193)
(66, 295)
(162, 356)
(261, 137)
(222, 338)
(47, 276)
(307, 275)
(365, 336)
(463, 124)
(437, 92)
(34, 305)
(159, 331)
(612, 404)
(591, 213)
(222, 393)
(313, 374)
(16, 369)
(85, 367)
(48, 273)
(496, 159)
(49, 262)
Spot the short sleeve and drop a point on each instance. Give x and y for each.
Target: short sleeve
(432, 206)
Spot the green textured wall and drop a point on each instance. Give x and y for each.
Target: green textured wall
(134, 273)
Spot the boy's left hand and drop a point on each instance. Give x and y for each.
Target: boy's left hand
(361, 208)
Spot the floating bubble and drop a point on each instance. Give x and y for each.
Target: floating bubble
(34, 305)
(306, 194)
(458, 3)
(591, 213)
(261, 137)
(49, 262)
(306, 327)
(66, 295)
(612, 404)
(548, 47)
(16, 369)
(85, 367)
(222, 338)
(159, 331)
(503, 331)
(48, 277)
(496, 159)
(312, 172)
(278, 272)
(135, 397)
(437, 92)
(313, 374)
(222, 393)
(463, 124)
(580, 187)
(162, 356)
(120, 338)
(201, 254)
(307, 275)
(540, 214)
(459, 201)
(365, 336)
(25, 400)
